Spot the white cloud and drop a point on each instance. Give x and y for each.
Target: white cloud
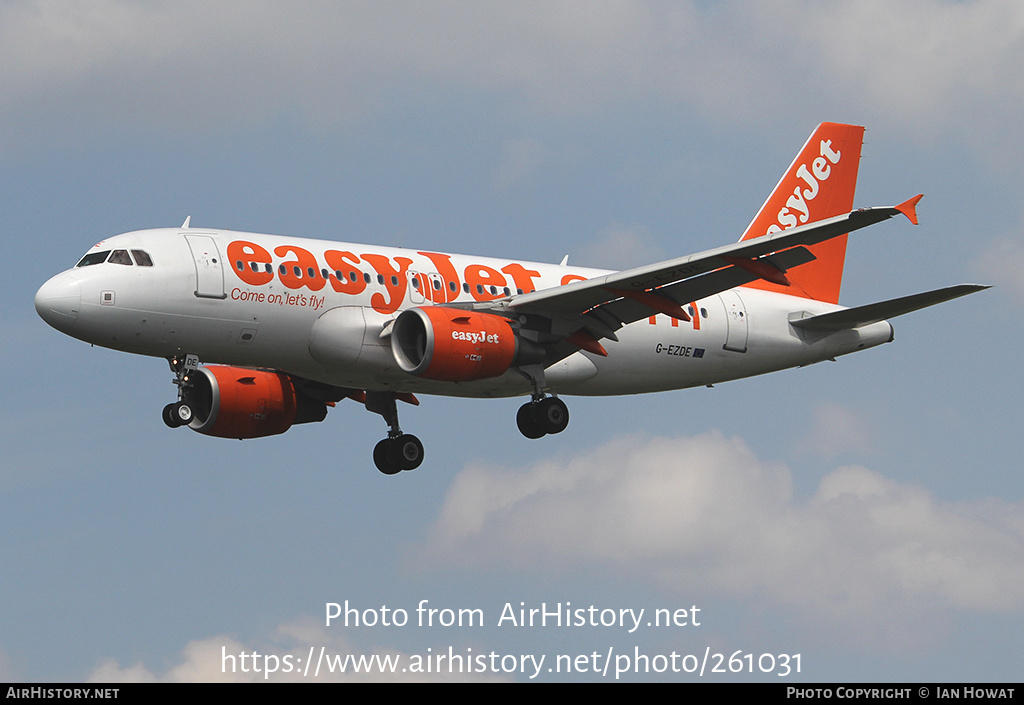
(285, 654)
(925, 64)
(838, 430)
(704, 514)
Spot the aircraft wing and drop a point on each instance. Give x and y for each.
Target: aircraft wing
(628, 310)
(605, 303)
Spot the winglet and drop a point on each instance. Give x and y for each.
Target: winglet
(909, 208)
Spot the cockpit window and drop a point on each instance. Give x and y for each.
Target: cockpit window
(142, 258)
(94, 258)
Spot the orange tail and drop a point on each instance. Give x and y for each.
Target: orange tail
(818, 184)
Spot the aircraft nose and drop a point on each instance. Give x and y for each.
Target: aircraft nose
(59, 300)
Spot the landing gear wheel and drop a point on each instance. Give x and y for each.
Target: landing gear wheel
(528, 425)
(551, 415)
(406, 451)
(392, 455)
(169, 417)
(182, 413)
(399, 451)
(177, 415)
(380, 458)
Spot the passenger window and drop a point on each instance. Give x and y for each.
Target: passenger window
(93, 258)
(120, 257)
(142, 258)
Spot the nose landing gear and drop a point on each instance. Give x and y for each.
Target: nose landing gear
(180, 413)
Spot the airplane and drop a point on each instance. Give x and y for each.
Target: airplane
(264, 331)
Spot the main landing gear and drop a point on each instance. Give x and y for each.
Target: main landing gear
(404, 451)
(399, 451)
(542, 414)
(180, 413)
(539, 417)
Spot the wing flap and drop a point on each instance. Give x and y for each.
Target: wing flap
(709, 284)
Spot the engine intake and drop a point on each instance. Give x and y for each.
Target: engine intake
(235, 402)
(453, 345)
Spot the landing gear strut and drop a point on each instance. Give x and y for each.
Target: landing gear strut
(542, 414)
(399, 451)
(180, 413)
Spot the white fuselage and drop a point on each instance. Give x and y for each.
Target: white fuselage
(322, 310)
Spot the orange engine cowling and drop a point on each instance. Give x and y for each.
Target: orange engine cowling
(234, 402)
(453, 345)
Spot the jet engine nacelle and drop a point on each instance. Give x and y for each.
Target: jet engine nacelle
(234, 402)
(454, 345)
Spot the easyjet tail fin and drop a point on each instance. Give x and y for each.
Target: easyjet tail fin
(819, 184)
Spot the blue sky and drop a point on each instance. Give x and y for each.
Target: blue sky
(865, 514)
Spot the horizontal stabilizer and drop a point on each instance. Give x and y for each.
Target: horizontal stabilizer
(873, 313)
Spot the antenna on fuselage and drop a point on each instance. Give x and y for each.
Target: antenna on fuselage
(184, 226)
(565, 261)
